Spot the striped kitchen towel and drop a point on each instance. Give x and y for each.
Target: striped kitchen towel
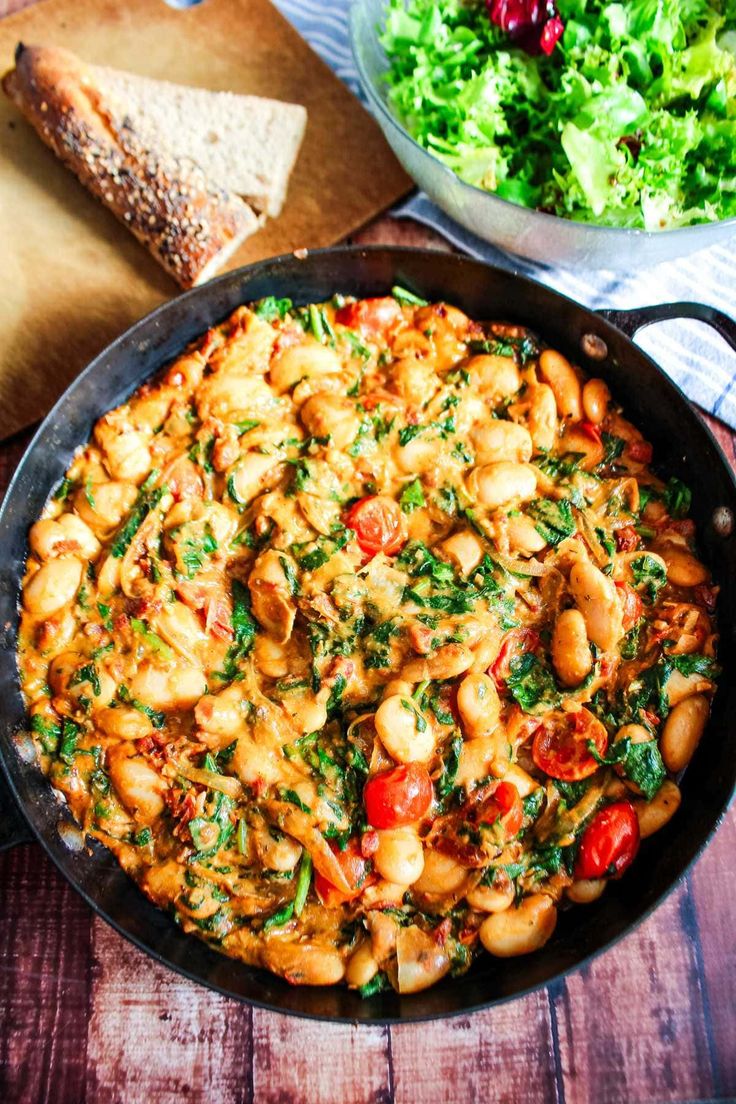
(694, 356)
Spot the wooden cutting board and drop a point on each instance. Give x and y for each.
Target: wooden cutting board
(71, 277)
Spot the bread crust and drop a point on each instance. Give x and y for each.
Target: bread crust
(189, 225)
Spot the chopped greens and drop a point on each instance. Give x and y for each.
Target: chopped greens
(678, 497)
(532, 684)
(148, 499)
(407, 298)
(412, 496)
(649, 576)
(553, 519)
(272, 309)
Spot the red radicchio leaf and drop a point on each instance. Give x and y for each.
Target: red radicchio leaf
(534, 25)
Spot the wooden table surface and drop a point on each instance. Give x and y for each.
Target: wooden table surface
(86, 1018)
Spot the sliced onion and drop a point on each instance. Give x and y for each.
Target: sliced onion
(223, 783)
(525, 568)
(300, 825)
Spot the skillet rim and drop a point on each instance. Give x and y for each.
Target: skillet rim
(147, 324)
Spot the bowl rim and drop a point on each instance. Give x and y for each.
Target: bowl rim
(358, 11)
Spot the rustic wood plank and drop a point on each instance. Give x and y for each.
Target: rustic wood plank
(400, 232)
(713, 893)
(44, 981)
(154, 1036)
(302, 1060)
(505, 1055)
(631, 1026)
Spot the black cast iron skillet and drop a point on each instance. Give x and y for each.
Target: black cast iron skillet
(683, 446)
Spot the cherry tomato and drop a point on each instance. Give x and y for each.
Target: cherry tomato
(491, 816)
(610, 842)
(560, 745)
(370, 316)
(377, 523)
(591, 430)
(397, 797)
(514, 644)
(631, 604)
(505, 805)
(640, 452)
(627, 539)
(355, 869)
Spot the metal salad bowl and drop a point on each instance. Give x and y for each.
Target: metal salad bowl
(601, 343)
(528, 233)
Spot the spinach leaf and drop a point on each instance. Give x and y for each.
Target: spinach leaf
(378, 984)
(70, 733)
(270, 309)
(649, 576)
(695, 664)
(445, 784)
(553, 520)
(412, 496)
(641, 763)
(612, 449)
(408, 433)
(147, 500)
(48, 731)
(678, 497)
(532, 684)
(334, 702)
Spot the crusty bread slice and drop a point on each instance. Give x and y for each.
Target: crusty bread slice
(190, 225)
(246, 144)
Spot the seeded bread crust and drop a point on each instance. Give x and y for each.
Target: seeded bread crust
(189, 225)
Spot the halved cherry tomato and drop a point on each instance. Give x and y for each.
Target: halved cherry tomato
(370, 316)
(398, 796)
(631, 604)
(377, 523)
(515, 643)
(496, 806)
(627, 539)
(560, 745)
(610, 842)
(640, 452)
(355, 869)
(505, 805)
(591, 430)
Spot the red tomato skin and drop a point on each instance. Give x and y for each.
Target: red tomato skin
(591, 430)
(631, 603)
(377, 522)
(515, 643)
(507, 798)
(370, 316)
(610, 842)
(397, 797)
(355, 869)
(564, 754)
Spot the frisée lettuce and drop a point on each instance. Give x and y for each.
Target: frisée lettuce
(630, 122)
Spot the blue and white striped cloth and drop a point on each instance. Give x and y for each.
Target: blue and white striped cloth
(695, 356)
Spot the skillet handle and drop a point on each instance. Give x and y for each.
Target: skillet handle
(631, 321)
(13, 828)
